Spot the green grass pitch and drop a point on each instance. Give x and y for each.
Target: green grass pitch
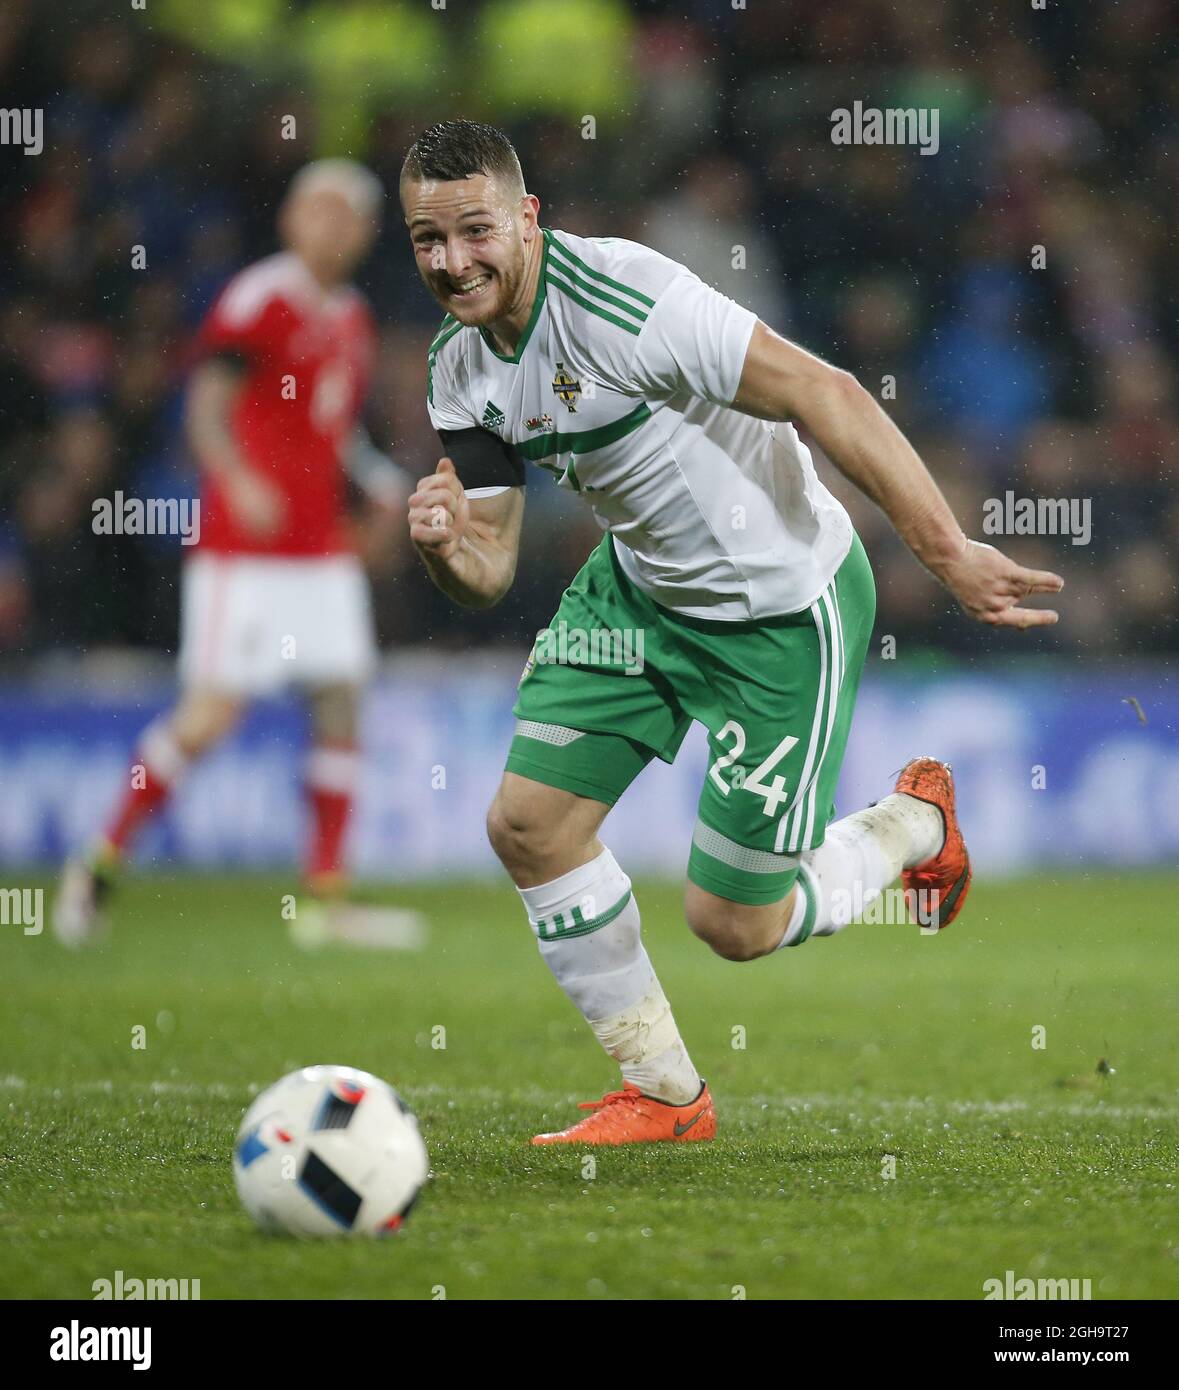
(880, 1042)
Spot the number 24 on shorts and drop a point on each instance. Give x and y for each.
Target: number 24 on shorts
(774, 792)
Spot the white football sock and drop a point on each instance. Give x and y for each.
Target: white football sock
(160, 754)
(861, 855)
(588, 929)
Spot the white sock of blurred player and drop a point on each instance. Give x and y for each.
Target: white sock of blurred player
(157, 767)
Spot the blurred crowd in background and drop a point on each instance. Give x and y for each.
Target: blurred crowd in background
(710, 131)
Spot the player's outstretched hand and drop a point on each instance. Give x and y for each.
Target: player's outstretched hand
(989, 586)
(439, 512)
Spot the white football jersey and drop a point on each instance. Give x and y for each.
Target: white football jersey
(621, 387)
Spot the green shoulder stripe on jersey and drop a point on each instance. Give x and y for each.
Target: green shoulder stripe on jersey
(592, 305)
(556, 263)
(597, 274)
(443, 336)
(583, 441)
(442, 339)
(444, 332)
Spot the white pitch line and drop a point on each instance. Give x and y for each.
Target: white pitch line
(991, 1108)
(109, 1087)
(853, 1105)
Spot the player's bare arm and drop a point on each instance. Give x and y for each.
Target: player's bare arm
(257, 502)
(469, 545)
(781, 381)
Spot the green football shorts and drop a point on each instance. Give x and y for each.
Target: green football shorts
(616, 680)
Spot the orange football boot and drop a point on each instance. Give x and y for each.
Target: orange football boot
(943, 880)
(629, 1117)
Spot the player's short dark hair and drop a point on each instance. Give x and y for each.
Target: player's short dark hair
(459, 149)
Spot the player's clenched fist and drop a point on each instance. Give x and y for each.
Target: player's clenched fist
(439, 512)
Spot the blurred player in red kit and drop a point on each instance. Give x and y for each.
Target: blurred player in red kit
(272, 595)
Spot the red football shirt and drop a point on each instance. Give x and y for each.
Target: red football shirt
(308, 355)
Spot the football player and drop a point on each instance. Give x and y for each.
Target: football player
(666, 407)
(272, 595)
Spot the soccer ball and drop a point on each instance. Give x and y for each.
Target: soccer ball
(329, 1151)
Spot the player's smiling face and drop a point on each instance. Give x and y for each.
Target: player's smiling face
(471, 240)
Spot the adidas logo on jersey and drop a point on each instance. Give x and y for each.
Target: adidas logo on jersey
(493, 417)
